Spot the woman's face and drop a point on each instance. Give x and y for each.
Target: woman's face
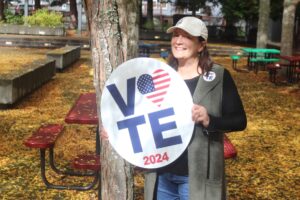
(185, 46)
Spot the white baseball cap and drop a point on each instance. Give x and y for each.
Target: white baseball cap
(192, 25)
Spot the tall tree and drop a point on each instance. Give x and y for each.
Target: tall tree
(73, 13)
(236, 10)
(288, 22)
(276, 9)
(149, 20)
(88, 12)
(114, 39)
(37, 4)
(262, 31)
(1, 10)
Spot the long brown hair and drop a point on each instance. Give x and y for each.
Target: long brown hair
(205, 62)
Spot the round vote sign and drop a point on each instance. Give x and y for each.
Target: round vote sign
(146, 110)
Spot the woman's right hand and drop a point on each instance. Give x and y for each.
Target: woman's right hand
(200, 115)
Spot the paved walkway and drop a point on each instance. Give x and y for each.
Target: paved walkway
(40, 41)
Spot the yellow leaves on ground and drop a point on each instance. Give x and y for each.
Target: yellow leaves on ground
(267, 165)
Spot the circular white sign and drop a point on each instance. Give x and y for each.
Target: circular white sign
(146, 110)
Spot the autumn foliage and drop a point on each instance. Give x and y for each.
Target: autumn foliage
(267, 165)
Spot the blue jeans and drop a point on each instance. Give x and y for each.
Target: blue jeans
(172, 187)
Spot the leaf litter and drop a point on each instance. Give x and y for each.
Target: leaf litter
(267, 165)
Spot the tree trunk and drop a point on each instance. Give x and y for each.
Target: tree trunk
(37, 4)
(262, 31)
(114, 39)
(287, 30)
(87, 4)
(149, 21)
(73, 13)
(193, 7)
(141, 19)
(1, 10)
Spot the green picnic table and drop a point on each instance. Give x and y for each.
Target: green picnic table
(260, 56)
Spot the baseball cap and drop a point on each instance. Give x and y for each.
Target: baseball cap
(192, 25)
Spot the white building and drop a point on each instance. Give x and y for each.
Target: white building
(166, 11)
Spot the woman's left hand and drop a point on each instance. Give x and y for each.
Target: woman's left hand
(200, 115)
(103, 133)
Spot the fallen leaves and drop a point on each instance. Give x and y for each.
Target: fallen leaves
(267, 165)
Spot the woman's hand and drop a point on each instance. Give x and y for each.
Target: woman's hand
(200, 115)
(103, 134)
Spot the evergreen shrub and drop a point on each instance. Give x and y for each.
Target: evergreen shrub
(10, 18)
(45, 18)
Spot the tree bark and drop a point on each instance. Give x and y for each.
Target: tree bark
(37, 4)
(114, 39)
(1, 10)
(87, 4)
(149, 20)
(262, 31)
(73, 13)
(287, 30)
(193, 7)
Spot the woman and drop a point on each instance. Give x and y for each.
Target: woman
(198, 174)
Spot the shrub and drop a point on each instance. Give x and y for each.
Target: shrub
(43, 17)
(149, 25)
(10, 18)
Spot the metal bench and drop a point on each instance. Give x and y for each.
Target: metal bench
(262, 61)
(87, 162)
(45, 138)
(234, 59)
(273, 68)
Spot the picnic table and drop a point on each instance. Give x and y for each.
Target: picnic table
(84, 111)
(256, 56)
(293, 63)
(146, 48)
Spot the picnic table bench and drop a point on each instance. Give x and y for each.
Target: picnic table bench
(234, 59)
(146, 48)
(273, 68)
(261, 61)
(84, 111)
(64, 56)
(44, 138)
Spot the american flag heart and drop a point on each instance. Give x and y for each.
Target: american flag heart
(154, 87)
